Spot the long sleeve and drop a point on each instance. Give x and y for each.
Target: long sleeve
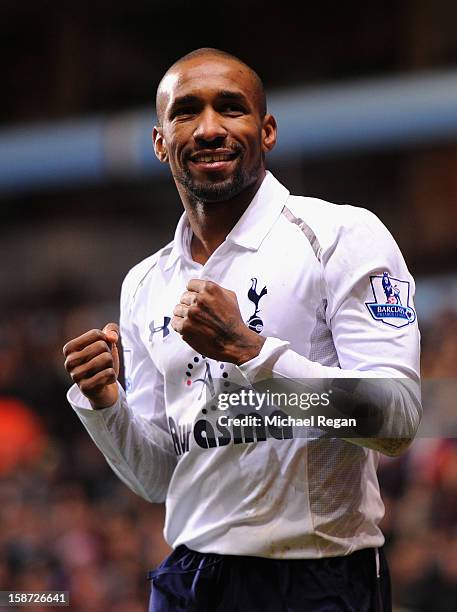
(369, 346)
(133, 434)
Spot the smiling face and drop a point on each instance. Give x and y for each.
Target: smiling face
(213, 132)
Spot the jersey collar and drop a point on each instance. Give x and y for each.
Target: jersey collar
(260, 215)
(251, 229)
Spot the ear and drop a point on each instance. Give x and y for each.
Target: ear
(269, 132)
(160, 146)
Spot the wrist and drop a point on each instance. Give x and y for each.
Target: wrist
(106, 399)
(249, 348)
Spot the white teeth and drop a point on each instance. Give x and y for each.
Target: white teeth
(213, 158)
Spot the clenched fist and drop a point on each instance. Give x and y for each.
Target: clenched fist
(92, 360)
(209, 320)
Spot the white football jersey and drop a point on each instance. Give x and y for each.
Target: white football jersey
(328, 287)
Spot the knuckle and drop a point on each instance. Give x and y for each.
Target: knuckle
(68, 346)
(176, 323)
(106, 359)
(101, 346)
(193, 311)
(106, 377)
(77, 375)
(70, 364)
(111, 374)
(86, 386)
(98, 364)
(97, 333)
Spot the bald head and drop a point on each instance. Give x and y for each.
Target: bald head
(208, 53)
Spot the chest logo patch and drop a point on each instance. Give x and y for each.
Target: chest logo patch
(161, 328)
(391, 301)
(255, 322)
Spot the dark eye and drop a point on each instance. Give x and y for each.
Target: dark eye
(184, 111)
(233, 109)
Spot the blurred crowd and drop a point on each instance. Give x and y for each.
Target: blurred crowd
(68, 524)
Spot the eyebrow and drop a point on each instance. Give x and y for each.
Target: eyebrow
(224, 94)
(182, 100)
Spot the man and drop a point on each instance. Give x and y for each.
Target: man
(257, 285)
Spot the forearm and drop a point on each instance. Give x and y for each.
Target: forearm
(385, 403)
(137, 450)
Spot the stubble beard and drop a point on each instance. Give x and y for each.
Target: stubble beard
(218, 191)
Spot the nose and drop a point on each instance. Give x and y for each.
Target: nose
(210, 127)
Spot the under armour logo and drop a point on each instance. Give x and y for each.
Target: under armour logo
(163, 328)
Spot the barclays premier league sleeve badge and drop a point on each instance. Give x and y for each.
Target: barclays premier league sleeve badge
(391, 301)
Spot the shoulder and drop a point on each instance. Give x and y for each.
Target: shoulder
(331, 225)
(137, 276)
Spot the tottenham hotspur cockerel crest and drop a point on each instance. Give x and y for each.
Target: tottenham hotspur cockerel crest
(255, 322)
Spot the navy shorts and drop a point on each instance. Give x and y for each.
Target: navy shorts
(190, 581)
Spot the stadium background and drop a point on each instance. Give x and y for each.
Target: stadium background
(365, 95)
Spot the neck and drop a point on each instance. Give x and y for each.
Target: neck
(211, 222)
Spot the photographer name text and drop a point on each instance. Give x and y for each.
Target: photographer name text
(253, 420)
